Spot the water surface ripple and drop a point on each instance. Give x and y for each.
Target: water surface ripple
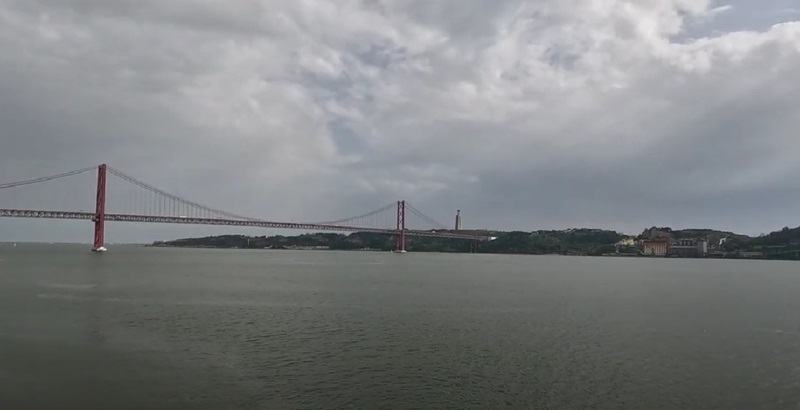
(143, 328)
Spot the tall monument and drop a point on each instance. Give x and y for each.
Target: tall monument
(458, 220)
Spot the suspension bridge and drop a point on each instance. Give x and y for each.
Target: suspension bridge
(119, 197)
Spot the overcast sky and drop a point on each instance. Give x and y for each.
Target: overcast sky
(539, 114)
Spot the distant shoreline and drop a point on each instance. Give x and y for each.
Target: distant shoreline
(661, 242)
(620, 256)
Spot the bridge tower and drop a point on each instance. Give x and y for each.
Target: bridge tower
(401, 227)
(100, 211)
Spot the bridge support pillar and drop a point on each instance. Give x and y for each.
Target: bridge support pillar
(100, 211)
(400, 246)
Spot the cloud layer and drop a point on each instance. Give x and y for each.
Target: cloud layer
(524, 114)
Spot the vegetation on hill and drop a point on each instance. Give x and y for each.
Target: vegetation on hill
(710, 235)
(784, 237)
(569, 242)
(783, 244)
(578, 241)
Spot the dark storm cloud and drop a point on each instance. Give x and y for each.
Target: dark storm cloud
(661, 112)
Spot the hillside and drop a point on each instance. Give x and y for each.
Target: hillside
(783, 244)
(578, 241)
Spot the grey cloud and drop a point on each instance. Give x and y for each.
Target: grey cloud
(521, 114)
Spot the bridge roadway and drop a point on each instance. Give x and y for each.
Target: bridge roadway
(39, 214)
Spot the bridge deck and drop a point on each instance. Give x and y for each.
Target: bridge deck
(43, 214)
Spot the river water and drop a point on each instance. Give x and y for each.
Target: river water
(145, 328)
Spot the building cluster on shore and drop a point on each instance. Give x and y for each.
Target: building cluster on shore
(682, 248)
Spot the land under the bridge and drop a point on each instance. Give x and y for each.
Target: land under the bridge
(783, 244)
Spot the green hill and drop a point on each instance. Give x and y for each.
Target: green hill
(783, 244)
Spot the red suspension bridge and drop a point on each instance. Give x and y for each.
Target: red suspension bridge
(136, 201)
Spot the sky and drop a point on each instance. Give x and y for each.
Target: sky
(526, 115)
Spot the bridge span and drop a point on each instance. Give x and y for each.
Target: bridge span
(157, 206)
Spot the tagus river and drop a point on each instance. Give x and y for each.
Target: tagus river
(144, 328)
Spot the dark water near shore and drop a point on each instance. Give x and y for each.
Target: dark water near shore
(141, 328)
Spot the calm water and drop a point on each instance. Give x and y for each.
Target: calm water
(140, 328)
